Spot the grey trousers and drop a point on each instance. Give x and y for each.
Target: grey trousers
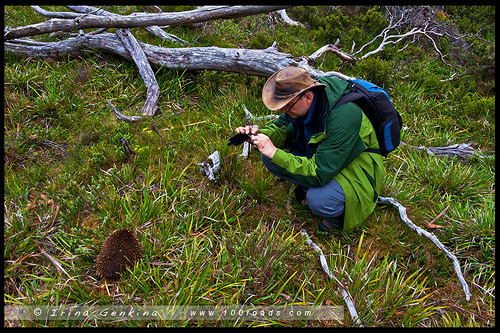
(327, 201)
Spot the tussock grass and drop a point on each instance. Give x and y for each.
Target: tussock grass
(68, 184)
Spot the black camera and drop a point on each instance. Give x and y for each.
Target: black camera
(238, 139)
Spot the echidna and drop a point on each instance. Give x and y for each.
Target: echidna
(120, 249)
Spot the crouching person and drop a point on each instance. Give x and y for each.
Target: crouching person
(320, 149)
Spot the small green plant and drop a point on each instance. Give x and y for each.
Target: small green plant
(256, 182)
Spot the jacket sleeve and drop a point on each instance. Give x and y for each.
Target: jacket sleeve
(276, 131)
(340, 145)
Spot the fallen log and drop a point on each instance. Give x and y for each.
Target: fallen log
(257, 62)
(245, 61)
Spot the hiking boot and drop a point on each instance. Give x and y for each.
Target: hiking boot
(300, 194)
(336, 223)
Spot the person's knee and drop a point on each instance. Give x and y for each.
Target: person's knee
(325, 204)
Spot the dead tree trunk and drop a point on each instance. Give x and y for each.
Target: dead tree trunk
(263, 62)
(245, 61)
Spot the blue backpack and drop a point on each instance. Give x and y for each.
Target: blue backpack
(377, 106)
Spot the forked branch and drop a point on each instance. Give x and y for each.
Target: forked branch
(432, 237)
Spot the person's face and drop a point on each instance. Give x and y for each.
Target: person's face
(299, 106)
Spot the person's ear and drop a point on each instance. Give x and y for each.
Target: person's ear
(309, 96)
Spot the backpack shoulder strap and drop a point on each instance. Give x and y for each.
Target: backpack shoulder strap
(351, 96)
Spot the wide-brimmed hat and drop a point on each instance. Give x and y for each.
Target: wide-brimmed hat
(285, 84)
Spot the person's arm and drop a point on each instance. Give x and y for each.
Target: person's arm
(339, 146)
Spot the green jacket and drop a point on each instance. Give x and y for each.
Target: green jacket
(338, 142)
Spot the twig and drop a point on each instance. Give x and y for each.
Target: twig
(153, 127)
(120, 116)
(247, 146)
(56, 263)
(55, 215)
(345, 293)
(126, 146)
(440, 214)
(343, 290)
(434, 239)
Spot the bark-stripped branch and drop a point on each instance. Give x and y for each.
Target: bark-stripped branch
(198, 15)
(344, 291)
(147, 74)
(416, 21)
(155, 30)
(61, 15)
(119, 116)
(284, 16)
(460, 150)
(434, 239)
(258, 62)
(333, 49)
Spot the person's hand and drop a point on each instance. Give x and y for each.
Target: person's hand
(264, 145)
(247, 130)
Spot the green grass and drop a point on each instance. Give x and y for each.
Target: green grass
(68, 184)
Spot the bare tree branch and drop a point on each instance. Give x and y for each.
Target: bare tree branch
(155, 30)
(147, 74)
(343, 290)
(62, 15)
(434, 239)
(140, 20)
(332, 48)
(284, 16)
(459, 150)
(414, 21)
(119, 116)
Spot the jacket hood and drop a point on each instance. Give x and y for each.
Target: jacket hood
(334, 89)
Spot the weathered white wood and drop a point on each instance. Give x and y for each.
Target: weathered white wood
(155, 30)
(258, 62)
(211, 170)
(147, 74)
(246, 61)
(119, 116)
(432, 237)
(198, 15)
(459, 150)
(284, 16)
(345, 293)
(333, 49)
